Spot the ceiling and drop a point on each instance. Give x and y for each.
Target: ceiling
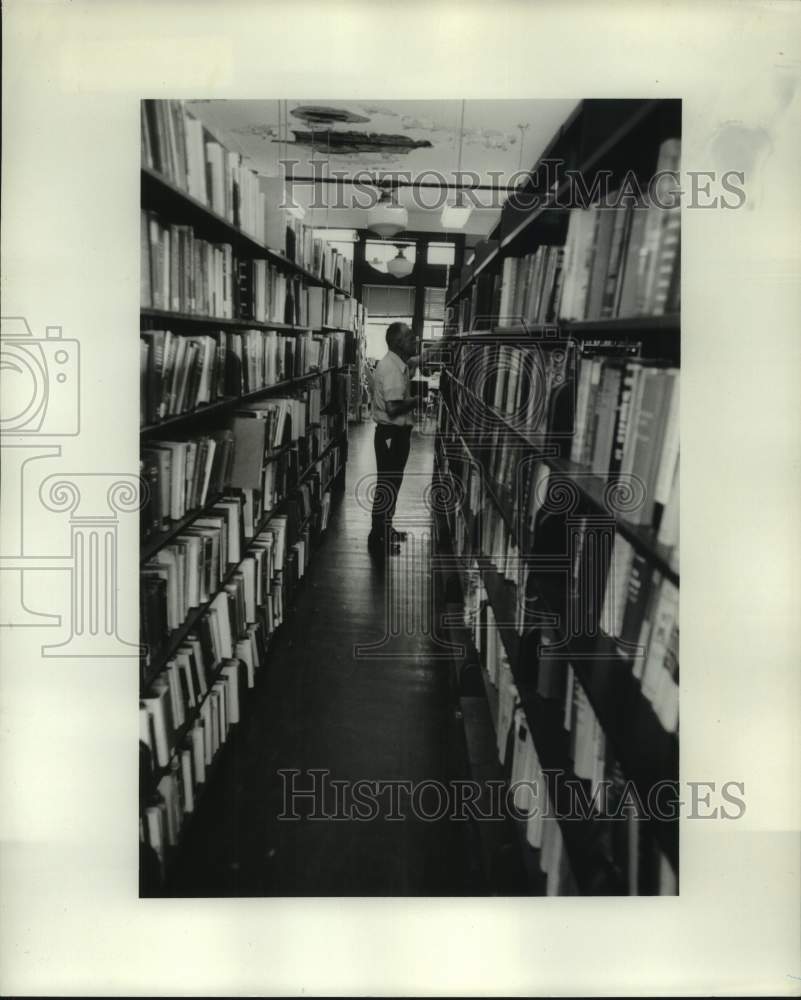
(384, 136)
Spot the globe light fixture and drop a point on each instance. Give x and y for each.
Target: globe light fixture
(399, 266)
(387, 217)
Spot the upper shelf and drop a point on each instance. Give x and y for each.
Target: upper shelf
(161, 194)
(171, 316)
(614, 326)
(589, 141)
(231, 402)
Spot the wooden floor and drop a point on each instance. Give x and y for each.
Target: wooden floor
(384, 712)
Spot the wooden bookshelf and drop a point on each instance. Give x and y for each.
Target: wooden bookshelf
(635, 742)
(174, 206)
(592, 870)
(591, 140)
(591, 487)
(164, 197)
(183, 319)
(614, 327)
(179, 635)
(230, 402)
(154, 540)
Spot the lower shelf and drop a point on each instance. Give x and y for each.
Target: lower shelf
(151, 883)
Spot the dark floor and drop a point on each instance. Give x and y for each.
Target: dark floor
(383, 714)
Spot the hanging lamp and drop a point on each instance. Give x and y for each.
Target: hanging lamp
(387, 217)
(399, 266)
(455, 216)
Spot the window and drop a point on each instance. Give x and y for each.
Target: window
(441, 253)
(433, 313)
(385, 304)
(389, 300)
(337, 235)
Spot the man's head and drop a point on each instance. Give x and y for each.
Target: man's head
(400, 340)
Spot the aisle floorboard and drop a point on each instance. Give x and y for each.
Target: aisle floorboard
(375, 717)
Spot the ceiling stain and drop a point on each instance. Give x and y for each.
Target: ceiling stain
(350, 142)
(319, 114)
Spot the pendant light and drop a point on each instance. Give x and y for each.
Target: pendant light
(387, 218)
(399, 266)
(455, 216)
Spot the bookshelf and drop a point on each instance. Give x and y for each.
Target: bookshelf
(600, 135)
(164, 197)
(557, 444)
(220, 406)
(244, 439)
(176, 318)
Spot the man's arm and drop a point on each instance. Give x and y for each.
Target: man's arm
(396, 407)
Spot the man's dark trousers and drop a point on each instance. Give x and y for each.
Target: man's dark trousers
(391, 452)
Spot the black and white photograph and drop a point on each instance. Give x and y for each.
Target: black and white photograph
(411, 608)
(409, 410)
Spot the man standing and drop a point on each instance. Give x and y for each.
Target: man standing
(393, 413)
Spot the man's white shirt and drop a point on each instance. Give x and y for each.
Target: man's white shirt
(391, 382)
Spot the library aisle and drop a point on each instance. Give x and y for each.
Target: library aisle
(522, 649)
(321, 706)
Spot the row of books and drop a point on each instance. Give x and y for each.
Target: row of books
(620, 259)
(633, 853)
(176, 144)
(332, 309)
(624, 597)
(630, 848)
(189, 708)
(195, 569)
(188, 571)
(617, 418)
(180, 786)
(181, 272)
(521, 381)
(625, 261)
(328, 263)
(193, 566)
(265, 294)
(183, 476)
(641, 611)
(554, 679)
(314, 476)
(531, 286)
(287, 234)
(331, 466)
(627, 422)
(261, 429)
(179, 373)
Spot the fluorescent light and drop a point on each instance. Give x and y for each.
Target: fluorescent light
(455, 216)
